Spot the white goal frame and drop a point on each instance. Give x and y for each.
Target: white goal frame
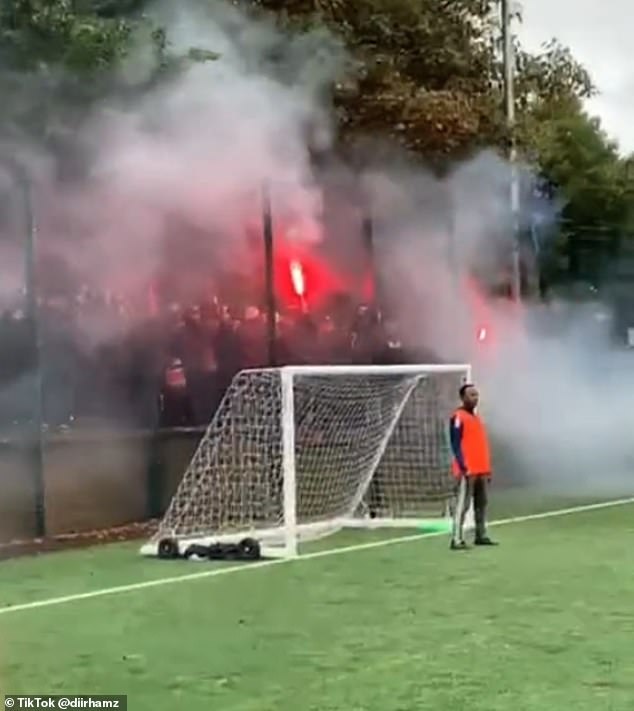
(283, 540)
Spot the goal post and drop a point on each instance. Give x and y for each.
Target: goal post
(300, 452)
(289, 471)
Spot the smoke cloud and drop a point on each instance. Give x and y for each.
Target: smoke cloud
(185, 163)
(172, 180)
(554, 385)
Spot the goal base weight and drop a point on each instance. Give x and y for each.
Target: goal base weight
(258, 544)
(248, 549)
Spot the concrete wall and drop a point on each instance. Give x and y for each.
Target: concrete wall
(101, 479)
(17, 492)
(92, 479)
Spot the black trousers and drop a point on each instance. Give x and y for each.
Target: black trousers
(470, 489)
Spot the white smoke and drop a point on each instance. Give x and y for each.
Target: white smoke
(555, 388)
(191, 157)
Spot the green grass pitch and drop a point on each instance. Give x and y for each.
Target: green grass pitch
(544, 622)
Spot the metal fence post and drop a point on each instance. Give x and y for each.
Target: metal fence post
(35, 440)
(269, 276)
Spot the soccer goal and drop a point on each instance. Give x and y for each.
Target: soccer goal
(298, 453)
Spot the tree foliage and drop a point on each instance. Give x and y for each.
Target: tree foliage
(429, 73)
(57, 56)
(425, 73)
(550, 76)
(40, 32)
(593, 181)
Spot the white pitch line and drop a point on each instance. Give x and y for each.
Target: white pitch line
(131, 587)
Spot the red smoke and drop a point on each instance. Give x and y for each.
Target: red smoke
(297, 278)
(303, 278)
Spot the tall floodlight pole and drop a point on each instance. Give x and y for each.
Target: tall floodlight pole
(269, 276)
(509, 102)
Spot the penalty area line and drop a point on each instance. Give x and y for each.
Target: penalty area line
(159, 582)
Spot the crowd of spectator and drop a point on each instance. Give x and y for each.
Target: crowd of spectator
(98, 358)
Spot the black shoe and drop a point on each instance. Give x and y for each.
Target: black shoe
(484, 541)
(458, 546)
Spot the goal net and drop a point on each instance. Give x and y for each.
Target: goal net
(297, 453)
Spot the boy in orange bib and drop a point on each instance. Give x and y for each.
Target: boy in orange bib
(471, 466)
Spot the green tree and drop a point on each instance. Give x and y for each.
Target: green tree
(40, 32)
(422, 73)
(428, 73)
(425, 73)
(593, 181)
(57, 56)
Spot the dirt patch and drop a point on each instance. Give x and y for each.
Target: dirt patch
(130, 532)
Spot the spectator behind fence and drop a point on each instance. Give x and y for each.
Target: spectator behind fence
(252, 336)
(176, 405)
(106, 358)
(198, 351)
